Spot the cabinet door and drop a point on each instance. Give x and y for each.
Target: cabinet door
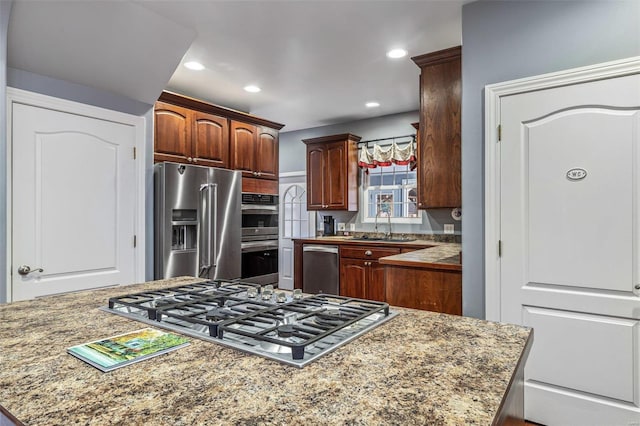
(315, 177)
(267, 153)
(172, 133)
(243, 147)
(210, 140)
(439, 156)
(375, 289)
(335, 190)
(353, 276)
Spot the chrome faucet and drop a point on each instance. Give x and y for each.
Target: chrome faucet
(387, 235)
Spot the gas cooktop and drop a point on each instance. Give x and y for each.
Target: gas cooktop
(284, 326)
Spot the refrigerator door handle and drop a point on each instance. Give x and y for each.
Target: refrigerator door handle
(213, 227)
(208, 205)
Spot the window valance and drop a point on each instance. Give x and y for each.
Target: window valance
(387, 156)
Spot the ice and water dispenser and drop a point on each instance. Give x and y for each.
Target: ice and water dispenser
(184, 229)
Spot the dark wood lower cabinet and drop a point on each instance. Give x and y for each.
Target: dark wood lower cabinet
(361, 275)
(353, 276)
(424, 288)
(364, 277)
(376, 288)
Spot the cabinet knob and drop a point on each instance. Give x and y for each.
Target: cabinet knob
(195, 160)
(189, 159)
(368, 253)
(419, 204)
(259, 173)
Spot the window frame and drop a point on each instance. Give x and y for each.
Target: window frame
(404, 188)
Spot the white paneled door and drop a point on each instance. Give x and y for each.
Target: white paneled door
(568, 206)
(73, 202)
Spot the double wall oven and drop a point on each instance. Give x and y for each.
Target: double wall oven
(260, 238)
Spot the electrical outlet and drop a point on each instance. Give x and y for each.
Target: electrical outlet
(352, 227)
(448, 228)
(341, 226)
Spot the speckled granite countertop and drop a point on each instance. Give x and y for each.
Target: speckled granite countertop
(338, 239)
(437, 255)
(441, 256)
(419, 368)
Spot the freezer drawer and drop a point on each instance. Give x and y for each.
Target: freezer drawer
(320, 269)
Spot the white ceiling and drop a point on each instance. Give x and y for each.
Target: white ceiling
(317, 62)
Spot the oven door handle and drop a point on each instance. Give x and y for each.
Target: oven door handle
(249, 247)
(207, 229)
(258, 208)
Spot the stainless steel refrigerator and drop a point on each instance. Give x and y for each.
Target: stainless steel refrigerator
(197, 221)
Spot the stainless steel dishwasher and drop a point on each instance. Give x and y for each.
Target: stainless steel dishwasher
(320, 269)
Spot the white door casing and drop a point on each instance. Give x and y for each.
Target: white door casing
(75, 201)
(562, 200)
(295, 222)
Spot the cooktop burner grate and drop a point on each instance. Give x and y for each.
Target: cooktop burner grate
(239, 315)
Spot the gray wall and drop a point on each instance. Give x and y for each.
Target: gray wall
(5, 11)
(88, 95)
(293, 159)
(506, 40)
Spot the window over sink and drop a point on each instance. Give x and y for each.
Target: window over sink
(390, 193)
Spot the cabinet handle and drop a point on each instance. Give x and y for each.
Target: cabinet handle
(368, 253)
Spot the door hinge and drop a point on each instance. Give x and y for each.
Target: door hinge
(499, 248)
(134, 152)
(499, 132)
(135, 241)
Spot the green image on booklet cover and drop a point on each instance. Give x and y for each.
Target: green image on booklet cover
(124, 349)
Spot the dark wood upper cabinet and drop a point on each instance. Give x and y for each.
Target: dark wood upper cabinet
(315, 176)
(243, 147)
(210, 140)
(335, 183)
(188, 130)
(255, 150)
(267, 153)
(438, 152)
(332, 172)
(172, 132)
(186, 136)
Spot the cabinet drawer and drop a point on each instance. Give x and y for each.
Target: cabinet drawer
(367, 252)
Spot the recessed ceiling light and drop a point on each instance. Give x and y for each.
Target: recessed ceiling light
(372, 104)
(193, 65)
(252, 89)
(396, 53)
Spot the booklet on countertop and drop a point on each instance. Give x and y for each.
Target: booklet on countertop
(124, 349)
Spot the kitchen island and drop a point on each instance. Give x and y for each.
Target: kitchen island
(419, 368)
